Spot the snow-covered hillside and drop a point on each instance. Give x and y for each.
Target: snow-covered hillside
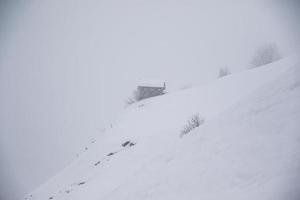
(247, 148)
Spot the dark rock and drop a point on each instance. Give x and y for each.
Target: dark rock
(125, 143)
(131, 144)
(81, 183)
(110, 154)
(97, 163)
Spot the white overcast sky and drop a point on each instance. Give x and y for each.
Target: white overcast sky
(66, 67)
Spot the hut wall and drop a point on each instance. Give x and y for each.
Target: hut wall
(147, 92)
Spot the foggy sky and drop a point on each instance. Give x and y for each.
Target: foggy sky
(66, 67)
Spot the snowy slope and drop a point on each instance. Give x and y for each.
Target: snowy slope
(248, 147)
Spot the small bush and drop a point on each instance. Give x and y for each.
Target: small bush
(129, 101)
(224, 71)
(133, 99)
(194, 122)
(265, 54)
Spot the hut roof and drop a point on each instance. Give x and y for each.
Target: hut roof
(151, 83)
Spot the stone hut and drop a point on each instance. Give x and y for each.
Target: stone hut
(150, 89)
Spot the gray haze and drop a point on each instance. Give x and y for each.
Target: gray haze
(66, 67)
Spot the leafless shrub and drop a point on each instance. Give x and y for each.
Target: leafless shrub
(129, 101)
(194, 122)
(135, 97)
(266, 54)
(224, 71)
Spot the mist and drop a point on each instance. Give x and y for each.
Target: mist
(67, 67)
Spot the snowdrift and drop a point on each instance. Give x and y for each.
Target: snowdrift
(247, 148)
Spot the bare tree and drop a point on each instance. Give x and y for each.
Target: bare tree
(224, 71)
(265, 54)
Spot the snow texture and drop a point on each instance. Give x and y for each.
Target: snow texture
(247, 148)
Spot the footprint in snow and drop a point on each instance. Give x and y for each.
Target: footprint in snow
(68, 191)
(128, 143)
(112, 153)
(97, 163)
(81, 183)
